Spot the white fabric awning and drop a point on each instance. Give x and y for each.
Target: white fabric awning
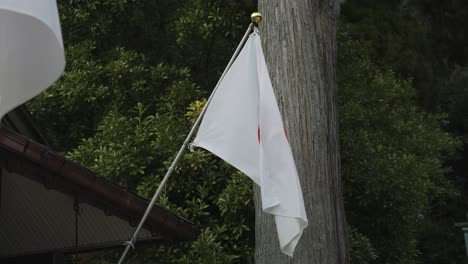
(31, 50)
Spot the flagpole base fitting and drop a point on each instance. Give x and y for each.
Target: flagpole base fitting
(256, 18)
(126, 243)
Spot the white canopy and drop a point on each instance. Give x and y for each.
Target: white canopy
(31, 50)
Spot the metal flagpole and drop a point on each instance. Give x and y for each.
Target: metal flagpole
(256, 17)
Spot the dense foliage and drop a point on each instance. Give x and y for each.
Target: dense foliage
(137, 75)
(422, 41)
(391, 172)
(124, 106)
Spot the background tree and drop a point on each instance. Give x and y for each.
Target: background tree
(299, 38)
(393, 157)
(420, 42)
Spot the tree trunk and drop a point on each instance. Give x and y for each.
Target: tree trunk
(299, 40)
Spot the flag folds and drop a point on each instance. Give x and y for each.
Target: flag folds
(243, 126)
(31, 50)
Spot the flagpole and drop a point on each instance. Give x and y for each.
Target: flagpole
(131, 243)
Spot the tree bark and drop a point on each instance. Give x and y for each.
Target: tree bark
(299, 41)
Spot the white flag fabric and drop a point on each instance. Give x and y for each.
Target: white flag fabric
(243, 126)
(31, 50)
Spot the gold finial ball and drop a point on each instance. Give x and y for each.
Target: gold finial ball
(256, 17)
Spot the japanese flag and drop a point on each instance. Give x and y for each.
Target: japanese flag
(243, 126)
(31, 50)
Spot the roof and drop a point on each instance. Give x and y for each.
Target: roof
(32, 164)
(21, 121)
